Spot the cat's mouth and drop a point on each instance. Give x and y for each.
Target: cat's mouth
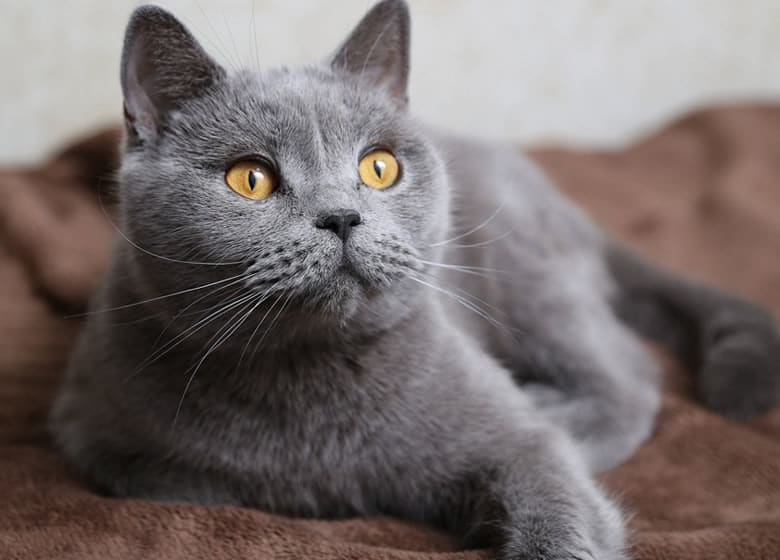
(348, 266)
(348, 277)
(329, 275)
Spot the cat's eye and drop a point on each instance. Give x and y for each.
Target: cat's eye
(251, 178)
(379, 169)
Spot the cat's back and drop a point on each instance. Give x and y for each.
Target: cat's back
(498, 191)
(515, 243)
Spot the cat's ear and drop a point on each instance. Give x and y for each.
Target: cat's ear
(378, 49)
(162, 66)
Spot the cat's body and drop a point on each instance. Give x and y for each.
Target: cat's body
(455, 356)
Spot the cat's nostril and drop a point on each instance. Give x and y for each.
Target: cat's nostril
(339, 221)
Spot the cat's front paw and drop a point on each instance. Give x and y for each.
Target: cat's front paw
(740, 374)
(553, 546)
(590, 531)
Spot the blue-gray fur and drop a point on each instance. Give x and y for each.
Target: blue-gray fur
(299, 374)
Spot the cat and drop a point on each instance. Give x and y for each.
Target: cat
(320, 306)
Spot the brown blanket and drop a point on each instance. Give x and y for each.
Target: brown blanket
(701, 196)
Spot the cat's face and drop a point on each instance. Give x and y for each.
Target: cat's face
(277, 173)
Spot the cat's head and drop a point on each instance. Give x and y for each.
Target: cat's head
(314, 182)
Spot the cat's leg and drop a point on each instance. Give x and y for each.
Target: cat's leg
(732, 345)
(500, 475)
(585, 370)
(118, 459)
(142, 475)
(589, 375)
(532, 499)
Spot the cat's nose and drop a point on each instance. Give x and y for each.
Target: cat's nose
(339, 221)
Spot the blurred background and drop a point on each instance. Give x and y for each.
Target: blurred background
(593, 72)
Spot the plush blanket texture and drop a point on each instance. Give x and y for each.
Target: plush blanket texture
(701, 196)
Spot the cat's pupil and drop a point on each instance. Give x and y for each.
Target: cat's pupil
(379, 168)
(252, 180)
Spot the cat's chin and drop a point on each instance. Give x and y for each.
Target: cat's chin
(336, 298)
(343, 294)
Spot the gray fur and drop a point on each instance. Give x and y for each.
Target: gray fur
(335, 379)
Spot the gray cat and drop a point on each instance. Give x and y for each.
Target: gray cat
(320, 307)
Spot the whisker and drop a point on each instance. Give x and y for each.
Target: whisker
(254, 37)
(133, 321)
(472, 230)
(257, 328)
(476, 270)
(271, 325)
(466, 294)
(181, 337)
(465, 303)
(183, 312)
(228, 332)
(186, 313)
(237, 278)
(216, 38)
(230, 33)
(483, 243)
(161, 257)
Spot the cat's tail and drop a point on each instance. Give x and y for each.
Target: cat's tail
(733, 345)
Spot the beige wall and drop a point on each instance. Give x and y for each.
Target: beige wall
(595, 71)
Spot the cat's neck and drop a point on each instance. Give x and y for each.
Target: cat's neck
(290, 370)
(272, 339)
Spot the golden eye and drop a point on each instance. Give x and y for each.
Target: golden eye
(379, 169)
(251, 178)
